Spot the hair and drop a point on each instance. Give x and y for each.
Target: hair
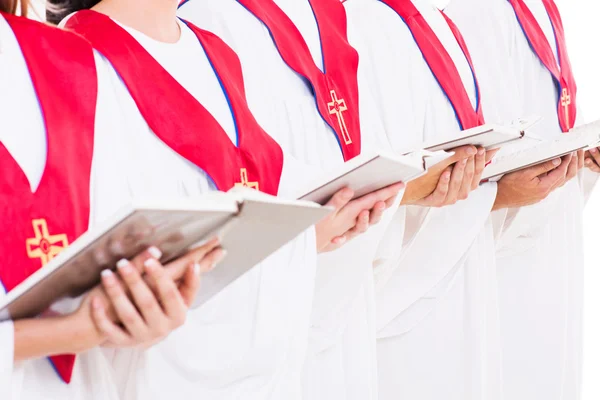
(12, 6)
(57, 10)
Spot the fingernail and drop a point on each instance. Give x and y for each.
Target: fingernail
(588, 161)
(122, 263)
(593, 150)
(197, 269)
(472, 151)
(556, 162)
(481, 152)
(108, 277)
(221, 256)
(340, 240)
(464, 162)
(151, 264)
(155, 252)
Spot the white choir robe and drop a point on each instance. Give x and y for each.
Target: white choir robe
(23, 133)
(247, 340)
(539, 248)
(436, 300)
(340, 361)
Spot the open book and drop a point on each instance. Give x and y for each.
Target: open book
(367, 173)
(250, 224)
(488, 136)
(577, 139)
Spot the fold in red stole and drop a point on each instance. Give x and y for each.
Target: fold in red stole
(561, 71)
(37, 226)
(178, 119)
(440, 62)
(335, 89)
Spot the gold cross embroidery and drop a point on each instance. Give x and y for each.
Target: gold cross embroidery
(244, 182)
(45, 246)
(565, 101)
(337, 107)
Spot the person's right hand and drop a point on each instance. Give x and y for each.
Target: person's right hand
(351, 218)
(532, 185)
(449, 181)
(132, 309)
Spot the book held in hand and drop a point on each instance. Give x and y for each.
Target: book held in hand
(371, 172)
(578, 138)
(488, 136)
(251, 226)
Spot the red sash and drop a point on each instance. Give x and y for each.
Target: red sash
(37, 226)
(336, 89)
(440, 62)
(178, 119)
(561, 71)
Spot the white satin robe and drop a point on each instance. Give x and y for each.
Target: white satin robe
(340, 360)
(436, 301)
(540, 255)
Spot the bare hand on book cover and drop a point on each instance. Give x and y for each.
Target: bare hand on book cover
(449, 181)
(532, 185)
(136, 307)
(353, 217)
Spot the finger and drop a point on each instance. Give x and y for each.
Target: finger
(368, 201)
(362, 226)
(555, 177)
(573, 167)
(112, 332)
(467, 182)
(168, 293)
(139, 260)
(580, 158)
(463, 152)
(595, 153)
(490, 154)
(335, 243)
(377, 213)
(125, 310)
(479, 167)
(144, 298)
(456, 180)
(177, 268)
(340, 199)
(438, 197)
(591, 165)
(540, 169)
(190, 284)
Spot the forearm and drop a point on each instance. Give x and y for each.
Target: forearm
(42, 337)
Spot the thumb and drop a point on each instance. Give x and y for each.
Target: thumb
(540, 169)
(340, 199)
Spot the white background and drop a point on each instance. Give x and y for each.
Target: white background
(583, 35)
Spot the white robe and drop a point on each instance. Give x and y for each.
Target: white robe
(247, 341)
(435, 301)
(540, 255)
(23, 133)
(340, 362)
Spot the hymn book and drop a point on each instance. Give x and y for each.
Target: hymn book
(488, 136)
(251, 226)
(371, 172)
(578, 138)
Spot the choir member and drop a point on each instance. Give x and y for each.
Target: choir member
(540, 254)
(48, 197)
(181, 93)
(436, 304)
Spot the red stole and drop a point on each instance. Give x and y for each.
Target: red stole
(440, 62)
(178, 119)
(336, 89)
(37, 226)
(561, 71)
